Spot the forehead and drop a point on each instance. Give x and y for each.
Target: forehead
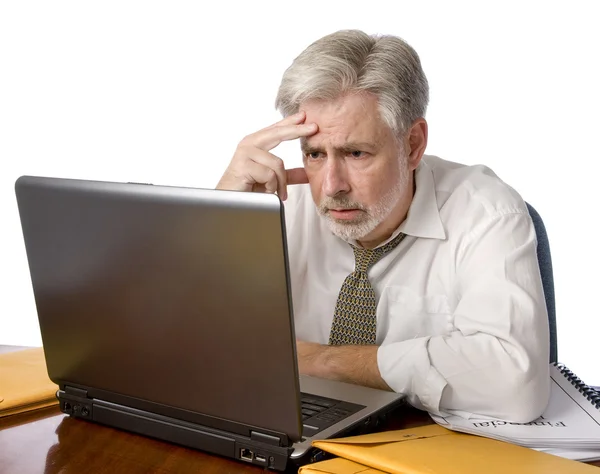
(350, 118)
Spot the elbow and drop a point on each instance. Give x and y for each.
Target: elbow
(523, 410)
(517, 396)
(522, 383)
(524, 398)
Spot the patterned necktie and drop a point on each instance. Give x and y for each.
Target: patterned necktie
(354, 320)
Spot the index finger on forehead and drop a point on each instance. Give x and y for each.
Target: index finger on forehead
(289, 120)
(270, 138)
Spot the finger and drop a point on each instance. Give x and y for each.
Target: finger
(269, 139)
(296, 176)
(276, 164)
(258, 174)
(293, 119)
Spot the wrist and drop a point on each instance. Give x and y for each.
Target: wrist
(324, 363)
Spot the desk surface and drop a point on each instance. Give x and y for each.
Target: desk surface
(47, 441)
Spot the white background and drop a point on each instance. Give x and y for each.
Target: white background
(162, 92)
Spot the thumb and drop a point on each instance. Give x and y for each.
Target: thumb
(296, 176)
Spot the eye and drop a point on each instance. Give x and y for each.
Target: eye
(356, 154)
(313, 155)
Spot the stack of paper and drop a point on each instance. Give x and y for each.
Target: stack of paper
(569, 427)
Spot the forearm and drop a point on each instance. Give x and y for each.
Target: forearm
(352, 364)
(478, 374)
(475, 373)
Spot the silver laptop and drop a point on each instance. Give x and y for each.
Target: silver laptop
(167, 312)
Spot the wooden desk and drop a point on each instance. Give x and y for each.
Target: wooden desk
(46, 441)
(49, 442)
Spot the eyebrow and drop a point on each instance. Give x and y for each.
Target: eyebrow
(347, 147)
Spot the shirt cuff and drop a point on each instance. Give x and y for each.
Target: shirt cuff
(406, 368)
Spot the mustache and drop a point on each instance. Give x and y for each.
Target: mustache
(342, 202)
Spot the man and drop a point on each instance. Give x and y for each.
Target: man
(408, 272)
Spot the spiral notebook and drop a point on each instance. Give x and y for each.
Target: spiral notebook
(569, 427)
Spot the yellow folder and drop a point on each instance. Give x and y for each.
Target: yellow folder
(24, 382)
(432, 449)
(338, 466)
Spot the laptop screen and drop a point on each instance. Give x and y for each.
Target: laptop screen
(175, 296)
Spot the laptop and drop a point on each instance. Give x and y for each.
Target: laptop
(167, 312)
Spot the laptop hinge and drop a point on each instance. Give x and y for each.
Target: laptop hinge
(265, 438)
(77, 392)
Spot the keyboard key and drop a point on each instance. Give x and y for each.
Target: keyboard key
(327, 418)
(310, 406)
(306, 411)
(322, 402)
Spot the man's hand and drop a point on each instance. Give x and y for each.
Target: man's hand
(353, 364)
(253, 168)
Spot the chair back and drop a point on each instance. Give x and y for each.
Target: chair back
(545, 262)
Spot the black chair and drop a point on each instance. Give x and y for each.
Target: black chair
(545, 262)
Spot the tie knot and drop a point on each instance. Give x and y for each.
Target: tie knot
(366, 258)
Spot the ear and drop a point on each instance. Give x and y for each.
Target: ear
(416, 142)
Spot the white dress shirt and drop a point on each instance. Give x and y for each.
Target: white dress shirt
(462, 325)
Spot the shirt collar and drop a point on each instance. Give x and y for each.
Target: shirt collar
(423, 218)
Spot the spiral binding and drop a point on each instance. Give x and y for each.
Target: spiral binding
(588, 392)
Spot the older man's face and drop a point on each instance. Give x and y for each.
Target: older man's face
(359, 174)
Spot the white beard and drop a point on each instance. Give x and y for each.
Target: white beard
(359, 228)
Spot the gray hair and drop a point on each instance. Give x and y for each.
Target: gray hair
(352, 61)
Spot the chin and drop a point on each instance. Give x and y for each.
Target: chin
(350, 230)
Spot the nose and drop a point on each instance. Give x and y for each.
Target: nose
(335, 181)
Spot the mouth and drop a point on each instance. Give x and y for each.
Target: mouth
(344, 214)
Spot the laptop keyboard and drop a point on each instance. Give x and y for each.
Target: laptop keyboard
(319, 413)
(312, 405)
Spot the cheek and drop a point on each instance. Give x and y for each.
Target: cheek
(314, 182)
(372, 185)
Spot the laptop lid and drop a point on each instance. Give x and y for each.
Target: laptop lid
(173, 300)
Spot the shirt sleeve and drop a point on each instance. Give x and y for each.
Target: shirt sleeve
(495, 362)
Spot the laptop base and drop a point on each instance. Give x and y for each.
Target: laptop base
(207, 439)
(175, 431)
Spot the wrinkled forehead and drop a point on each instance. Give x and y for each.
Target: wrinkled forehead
(347, 120)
